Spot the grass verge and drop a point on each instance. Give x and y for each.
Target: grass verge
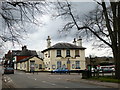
(105, 79)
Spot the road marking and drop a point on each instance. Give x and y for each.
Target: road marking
(53, 84)
(35, 79)
(66, 87)
(44, 81)
(48, 83)
(58, 78)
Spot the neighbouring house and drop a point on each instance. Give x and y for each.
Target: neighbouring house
(8, 59)
(21, 54)
(13, 56)
(32, 63)
(64, 55)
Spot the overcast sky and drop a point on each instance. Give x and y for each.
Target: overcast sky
(36, 38)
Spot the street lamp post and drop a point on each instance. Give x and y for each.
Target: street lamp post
(91, 60)
(90, 65)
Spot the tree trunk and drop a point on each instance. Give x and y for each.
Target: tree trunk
(118, 57)
(117, 64)
(116, 48)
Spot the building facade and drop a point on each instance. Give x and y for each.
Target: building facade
(64, 55)
(22, 54)
(29, 64)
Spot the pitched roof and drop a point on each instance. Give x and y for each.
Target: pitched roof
(24, 53)
(28, 53)
(26, 59)
(16, 52)
(64, 46)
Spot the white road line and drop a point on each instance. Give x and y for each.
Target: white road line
(58, 78)
(53, 84)
(48, 83)
(44, 81)
(66, 87)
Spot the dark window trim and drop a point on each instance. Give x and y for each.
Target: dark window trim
(59, 54)
(77, 55)
(68, 54)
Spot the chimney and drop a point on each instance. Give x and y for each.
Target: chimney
(74, 41)
(79, 41)
(48, 42)
(24, 47)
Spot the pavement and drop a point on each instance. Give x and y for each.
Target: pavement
(8, 83)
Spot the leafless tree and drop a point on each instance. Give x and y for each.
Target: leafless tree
(101, 23)
(15, 15)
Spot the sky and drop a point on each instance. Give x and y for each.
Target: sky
(36, 36)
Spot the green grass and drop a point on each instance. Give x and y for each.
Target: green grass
(105, 79)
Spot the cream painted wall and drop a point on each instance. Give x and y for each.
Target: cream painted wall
(26, 65)
(37, 62)
(52, 60)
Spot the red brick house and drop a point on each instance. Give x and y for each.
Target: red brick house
(14, 56)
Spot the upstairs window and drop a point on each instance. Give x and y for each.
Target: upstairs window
(67, 53)
(48, 54)
(77, 53)
(58, 53)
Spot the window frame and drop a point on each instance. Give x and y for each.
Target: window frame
(40, 66)
(67, 53)
(77, 53)
(58, 53)
(77, 65)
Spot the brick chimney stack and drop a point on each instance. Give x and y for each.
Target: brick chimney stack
(79, 41)
(48, 42)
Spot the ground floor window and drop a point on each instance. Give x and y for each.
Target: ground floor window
(73, 66)
(53, 66)
(36, 65)
(24, 65)
(20, 65)
(32, 65)
(40, 66)
(64, 66)
(77, 64)
(59, 64)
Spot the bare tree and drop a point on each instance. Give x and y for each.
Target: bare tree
(101, 23)
(15, 15)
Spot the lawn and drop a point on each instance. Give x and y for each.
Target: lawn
(105, 79)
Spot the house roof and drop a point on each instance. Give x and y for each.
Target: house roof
(16, 52)
(26, 59)
(28, 53)
(64, 46)
(24, 53)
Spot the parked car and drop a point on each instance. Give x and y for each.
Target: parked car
(106, 70)
(8, 70)
(60, 71)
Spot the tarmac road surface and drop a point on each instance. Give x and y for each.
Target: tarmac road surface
(46, 80)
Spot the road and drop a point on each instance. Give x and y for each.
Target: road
(46, 80)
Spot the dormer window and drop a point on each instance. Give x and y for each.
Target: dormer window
(58, 53)
(67, 53)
